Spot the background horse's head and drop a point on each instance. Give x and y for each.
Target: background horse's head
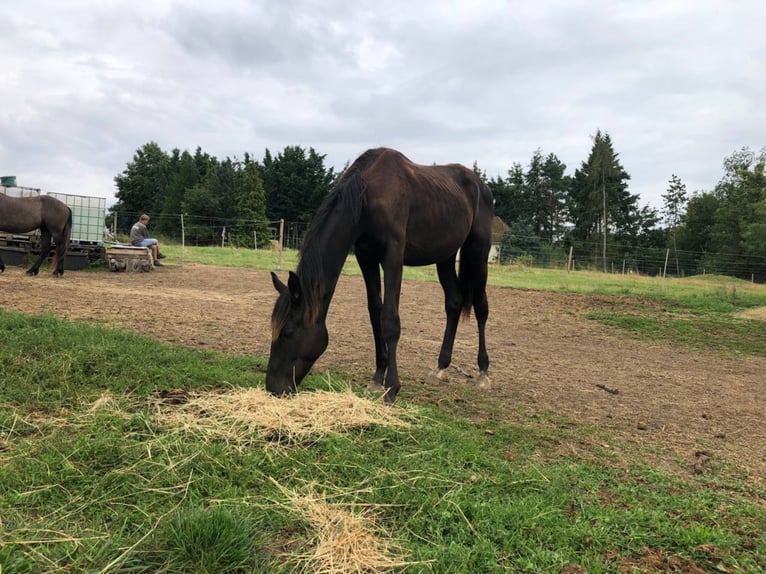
(298, 337)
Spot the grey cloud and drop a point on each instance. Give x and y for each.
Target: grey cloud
(678, 85)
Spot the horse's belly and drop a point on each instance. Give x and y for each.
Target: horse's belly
(415, 256)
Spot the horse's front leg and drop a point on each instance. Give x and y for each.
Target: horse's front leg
(369, 264)
(391, 326)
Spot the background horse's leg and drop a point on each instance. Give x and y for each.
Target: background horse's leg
(60, 255)
(45, 248)
(2, 265)
(452, 306)
(369, 264)
(62, 244)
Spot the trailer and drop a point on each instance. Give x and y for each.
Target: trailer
(87, 239)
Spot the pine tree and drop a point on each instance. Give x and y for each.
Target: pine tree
(508, 193)
(674, 202)
(250, 204)
(295, 183)
(141, 186)
(599, 199)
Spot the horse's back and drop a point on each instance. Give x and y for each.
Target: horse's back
(20, 214)
(433, 209)
(24, 214)
(390, 176)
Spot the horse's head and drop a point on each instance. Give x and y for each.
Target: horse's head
(297, 341)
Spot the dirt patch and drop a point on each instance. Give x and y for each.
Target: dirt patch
(546, 358)
(758, 313)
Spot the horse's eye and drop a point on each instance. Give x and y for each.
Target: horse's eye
(288, 332)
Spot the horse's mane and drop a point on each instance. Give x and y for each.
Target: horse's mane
(347, 199)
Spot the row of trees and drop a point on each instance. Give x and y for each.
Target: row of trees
(591, 210)
(724, 229)
(241, 195)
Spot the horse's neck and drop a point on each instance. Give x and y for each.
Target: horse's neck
(324, 257)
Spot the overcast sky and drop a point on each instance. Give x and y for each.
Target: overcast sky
(678, 84)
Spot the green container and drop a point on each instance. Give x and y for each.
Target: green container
(8, 180)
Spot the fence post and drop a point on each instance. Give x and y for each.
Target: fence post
(223, 236)
(570, 267)
(281, 234)
(665, 269)
(183, 240)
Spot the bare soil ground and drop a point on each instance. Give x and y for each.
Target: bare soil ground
(690, 411)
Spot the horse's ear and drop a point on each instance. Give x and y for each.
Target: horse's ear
(294, 284)
(278, 285)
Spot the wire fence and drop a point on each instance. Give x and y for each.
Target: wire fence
(518, 249)
(198, 230)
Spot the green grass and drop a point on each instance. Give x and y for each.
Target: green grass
(706, 292)
(116, 490)
(722, 333)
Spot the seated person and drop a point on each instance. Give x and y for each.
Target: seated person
(139, 236)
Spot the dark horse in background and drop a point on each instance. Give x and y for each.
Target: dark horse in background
(393, 212)
(52, 217)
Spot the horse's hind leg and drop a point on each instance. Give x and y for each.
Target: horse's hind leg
(45, 248)
(473, 285)
(59, 257)
(452, 305)
(481, 307)
(481, 310)
(369, 264)
(2, 265)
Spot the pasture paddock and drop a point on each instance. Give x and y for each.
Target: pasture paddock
(673, 404)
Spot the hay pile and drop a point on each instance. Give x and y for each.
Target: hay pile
(346, 538)
(241, 416)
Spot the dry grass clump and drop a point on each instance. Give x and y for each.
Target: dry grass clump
(106, 402)
(346, 538)
(242, 415)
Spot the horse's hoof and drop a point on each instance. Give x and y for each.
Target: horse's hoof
(375, 387)
(31, 273)
(484, 382)
(390, 397)
(435, 377)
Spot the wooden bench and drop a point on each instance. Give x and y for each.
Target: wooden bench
(123, 257)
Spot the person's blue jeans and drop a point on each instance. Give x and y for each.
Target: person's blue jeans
(148, 242)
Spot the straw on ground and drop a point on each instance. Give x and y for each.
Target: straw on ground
(243, 415)
(344, 538)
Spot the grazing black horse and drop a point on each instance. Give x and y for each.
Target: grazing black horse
(393, 212)
(51, 216)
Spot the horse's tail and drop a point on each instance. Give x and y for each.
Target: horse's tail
(474, 253)
(63, 246)
(68, 231)
(468, 270)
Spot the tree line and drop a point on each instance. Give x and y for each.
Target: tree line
(591, 211)
(243, 195)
